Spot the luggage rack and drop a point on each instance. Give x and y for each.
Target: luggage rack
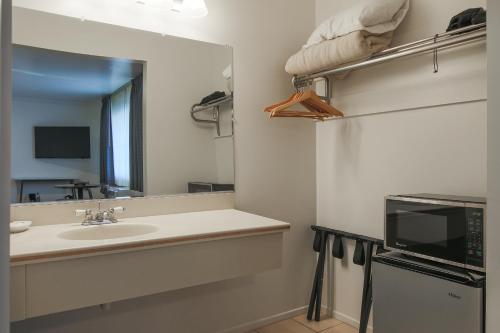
(451, 39)
(361, 257)
(212, 105)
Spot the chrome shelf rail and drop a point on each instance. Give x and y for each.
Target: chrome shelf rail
(215, 104)
(459, 37)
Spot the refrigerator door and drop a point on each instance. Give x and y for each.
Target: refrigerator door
(409, 301)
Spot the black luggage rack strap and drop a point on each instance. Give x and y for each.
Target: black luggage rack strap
(320, 245)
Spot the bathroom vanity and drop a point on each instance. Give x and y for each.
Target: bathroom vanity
(61, 267)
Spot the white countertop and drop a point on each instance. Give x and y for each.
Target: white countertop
(42, 243)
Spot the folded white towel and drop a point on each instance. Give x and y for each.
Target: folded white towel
(358, 45)
(374, 16)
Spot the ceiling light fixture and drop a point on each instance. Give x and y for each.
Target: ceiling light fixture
(154, 3)
(190, 8)
(185, 8)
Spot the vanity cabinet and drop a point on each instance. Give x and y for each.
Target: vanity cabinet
(17, 293)
(58, 286)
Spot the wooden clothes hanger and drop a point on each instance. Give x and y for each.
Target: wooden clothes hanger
(279, 109)
(317, 108)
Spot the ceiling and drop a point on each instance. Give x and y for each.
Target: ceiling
(42, 73)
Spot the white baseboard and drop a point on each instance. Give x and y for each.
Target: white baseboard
(247, 327)
(350, 321)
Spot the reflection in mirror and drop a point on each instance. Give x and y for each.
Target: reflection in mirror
(80, 125)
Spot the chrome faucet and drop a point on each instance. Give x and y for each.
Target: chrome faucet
(101, 217)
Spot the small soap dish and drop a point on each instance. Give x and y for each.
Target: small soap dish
(20, 226)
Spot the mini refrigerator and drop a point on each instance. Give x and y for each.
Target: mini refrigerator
(416, 296)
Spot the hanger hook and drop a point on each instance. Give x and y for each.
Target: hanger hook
(294, 83)
(435, 60)
(300, 86)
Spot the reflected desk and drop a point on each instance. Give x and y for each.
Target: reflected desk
(20, 182)
(77, 189)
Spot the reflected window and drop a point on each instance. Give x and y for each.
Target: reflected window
(120, 125)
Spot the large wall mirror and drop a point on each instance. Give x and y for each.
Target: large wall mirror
(91, 126)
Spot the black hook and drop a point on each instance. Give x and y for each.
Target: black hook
(317, 241)
(359, 253)
(338, 247)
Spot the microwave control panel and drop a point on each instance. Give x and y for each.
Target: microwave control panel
(475, 235)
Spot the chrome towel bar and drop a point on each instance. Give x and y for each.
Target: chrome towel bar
(215, 104)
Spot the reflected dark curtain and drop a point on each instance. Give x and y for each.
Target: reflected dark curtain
(136, 146)
(107, 169)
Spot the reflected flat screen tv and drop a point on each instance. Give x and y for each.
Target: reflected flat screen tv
(62, 142)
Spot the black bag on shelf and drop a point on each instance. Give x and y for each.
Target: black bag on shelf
(468, 17)
(212, 97)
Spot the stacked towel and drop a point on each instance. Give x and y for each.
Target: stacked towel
(373, 16)
(351, 35)
(356, 46)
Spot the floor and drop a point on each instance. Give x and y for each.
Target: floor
(300, 324)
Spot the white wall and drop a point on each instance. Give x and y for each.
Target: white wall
(224, 157)
(5, 111)
(493, 227)
(28, 113)
(275, 174)
(435, 142)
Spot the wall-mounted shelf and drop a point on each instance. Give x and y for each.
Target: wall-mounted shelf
(451, 39)
(213, 105)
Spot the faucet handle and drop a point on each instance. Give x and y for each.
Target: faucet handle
(82, 212)
(110, 213)
(85, 212)
(118, 210)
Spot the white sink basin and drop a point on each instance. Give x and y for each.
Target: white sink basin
(108, 231)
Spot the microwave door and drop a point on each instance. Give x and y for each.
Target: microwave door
(429, 230)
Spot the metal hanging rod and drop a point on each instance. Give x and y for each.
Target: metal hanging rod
(459, 37)
(431, 40)
(215, 104)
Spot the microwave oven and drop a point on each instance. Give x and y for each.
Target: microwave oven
(442, 228)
